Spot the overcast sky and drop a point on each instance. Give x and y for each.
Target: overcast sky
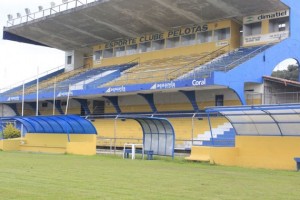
(20, 61)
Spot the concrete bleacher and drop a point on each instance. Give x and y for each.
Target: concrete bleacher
(50, 82)
(29, 84)
(226, 62)
(91, 78)
(80, 78)
(223, 135)
(198, 129)
(163, 69)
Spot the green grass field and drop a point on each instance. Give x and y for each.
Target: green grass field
(46, 176)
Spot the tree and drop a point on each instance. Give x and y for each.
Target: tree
(291, 73)
(11, 132)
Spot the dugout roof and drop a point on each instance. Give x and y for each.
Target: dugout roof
(69, 124)
(266, 120)
(158, 134)
(67, 27)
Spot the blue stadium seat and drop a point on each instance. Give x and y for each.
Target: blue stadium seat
(226, 62)
(225, 140)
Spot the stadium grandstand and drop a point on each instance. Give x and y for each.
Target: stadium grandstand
(158, 58)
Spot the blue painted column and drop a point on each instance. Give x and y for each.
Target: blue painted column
(150, 100)
(115, 102)
(84, 104)
(191, 95)
(13, 106)
(58, 106)
(33, 106)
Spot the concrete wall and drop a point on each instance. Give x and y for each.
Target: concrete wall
(270, 152)
(82, 144)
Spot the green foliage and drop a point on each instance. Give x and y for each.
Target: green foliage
(11, 132)
(291, 73)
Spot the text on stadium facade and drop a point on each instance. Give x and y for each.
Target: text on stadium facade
(156, 36)
(265, 16)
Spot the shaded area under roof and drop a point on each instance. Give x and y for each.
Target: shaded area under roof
(265, 120)
(158, 134)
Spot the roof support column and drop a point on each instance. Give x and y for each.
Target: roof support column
(238, 88)
(191, 95)
(84, 105)
(58, 106)
(13, 106)
(33, 106)
(150, 100)
(115, 102)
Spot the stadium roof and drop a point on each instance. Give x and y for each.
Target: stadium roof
(282, 81)
(105, 20)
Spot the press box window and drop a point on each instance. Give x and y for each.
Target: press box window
(173, 42)
(222, 34)
(97, 55)
(219, 100)
(159, 44)
(119, 51)
(204, 37)
(145, 47)
(108, 53)
(277, 25)
(69, 60)
(188, 40)
(252, 29)
(131, 49)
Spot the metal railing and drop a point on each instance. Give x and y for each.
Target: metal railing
(48, 11)
(20, 83)
(245, 58)
(195, 64)
(282, 98)
(61, 81)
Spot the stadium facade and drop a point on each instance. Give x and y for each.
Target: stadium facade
(163, 58)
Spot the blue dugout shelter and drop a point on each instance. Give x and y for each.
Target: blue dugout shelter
(264, 120)
(61, 124)
(158, 134)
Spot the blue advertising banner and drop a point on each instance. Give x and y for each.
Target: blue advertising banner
(187, 83)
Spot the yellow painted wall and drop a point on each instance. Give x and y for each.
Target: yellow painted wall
(82, 148)
(10, 144)
(58, 143)
(128, 131)
(270, 152)
(109, 109)
(178, 51)
(235, 40)
(265, 27)
(174, 107)
(135, 108)
(163, 53)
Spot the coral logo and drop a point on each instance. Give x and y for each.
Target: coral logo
(199, 82)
